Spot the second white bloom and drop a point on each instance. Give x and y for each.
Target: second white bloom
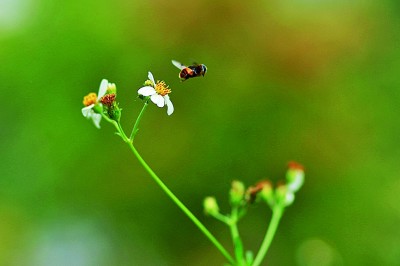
(158, 93)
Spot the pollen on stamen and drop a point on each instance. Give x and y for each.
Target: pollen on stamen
(89, 99)
(162, 88)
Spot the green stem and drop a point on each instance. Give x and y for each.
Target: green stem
(237, 242)
(277, 212)
(172, 196)
(222, 218)
(191, 216)
(136, 126)
(117, 126)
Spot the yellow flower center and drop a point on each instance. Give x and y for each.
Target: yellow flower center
(89, 99)
(162, 88)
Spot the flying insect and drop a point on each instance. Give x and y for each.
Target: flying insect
(187, 72)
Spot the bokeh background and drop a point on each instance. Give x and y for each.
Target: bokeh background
(308, 80)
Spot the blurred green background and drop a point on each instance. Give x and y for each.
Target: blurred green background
(306, 80)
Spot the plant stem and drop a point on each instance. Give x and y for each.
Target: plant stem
(172, 196)
(191, 216)
(277, 212)
(136, 126)
(117, 126)
(222, 218)
(237, 242)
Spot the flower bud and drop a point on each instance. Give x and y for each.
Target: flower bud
(284, 196)
(115, 112)
(111, 89)
(256, 192)
(148, 83)
(108, 100)
(295, 176)
(267, 192)
(289, 199)
(237, 192)
(210, 206)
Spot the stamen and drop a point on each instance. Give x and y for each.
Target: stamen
(89, 99)
(162, 88)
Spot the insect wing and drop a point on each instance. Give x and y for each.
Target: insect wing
(178, 65)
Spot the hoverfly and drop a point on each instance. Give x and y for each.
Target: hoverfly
(192, 71)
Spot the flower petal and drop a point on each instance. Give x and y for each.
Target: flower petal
(103, 88)
(96, 119)
(170, 106)
(87, 111)
(146, 91)
(158, 99)
(150, 76)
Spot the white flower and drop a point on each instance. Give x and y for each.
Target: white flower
(158, 93)
(90, 102)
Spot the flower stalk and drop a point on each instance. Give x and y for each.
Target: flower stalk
(182, 206)
(136, 126)
(169, 193)
(237, 242)
(277, 213)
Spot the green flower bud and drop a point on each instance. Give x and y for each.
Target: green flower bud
(115, 112)
(284, 196)
(289, 199)
(267, 192)
(237, 192)
(210, 206)
(280, 193)
(148, 83)
(255, 193)
(111, 89)
(249, 257)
